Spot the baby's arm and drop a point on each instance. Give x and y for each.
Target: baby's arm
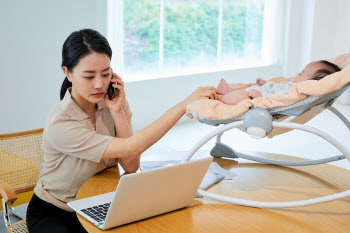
(254, 94)
(260, 81)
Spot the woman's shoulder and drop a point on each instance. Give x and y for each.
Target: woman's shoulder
(54, 114)
(63, 117)
(61, 128)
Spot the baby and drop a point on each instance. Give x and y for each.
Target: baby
(314, 70)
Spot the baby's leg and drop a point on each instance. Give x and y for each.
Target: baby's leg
(234, 97)
(224, 87)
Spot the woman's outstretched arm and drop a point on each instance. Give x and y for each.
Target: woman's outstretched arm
(132, 147)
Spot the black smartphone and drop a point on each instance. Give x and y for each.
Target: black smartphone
(111, 91)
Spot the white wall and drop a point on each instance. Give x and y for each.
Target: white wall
(316, 29)
(331, 34)
(298, 34)
(33, 32)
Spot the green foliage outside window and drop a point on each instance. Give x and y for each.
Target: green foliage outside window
(190, 29)
(141, 31)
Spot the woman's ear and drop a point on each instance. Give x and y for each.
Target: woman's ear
(68, 74)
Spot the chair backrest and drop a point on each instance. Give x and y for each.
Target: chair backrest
(18, 227)
(21, 156)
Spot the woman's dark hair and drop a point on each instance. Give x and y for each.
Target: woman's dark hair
(329, 68)
(78, 45)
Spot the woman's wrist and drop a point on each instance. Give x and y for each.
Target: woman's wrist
(121, 123)
(118, 116)
(119, 113)
(182, 106)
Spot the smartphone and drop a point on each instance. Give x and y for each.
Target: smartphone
(111, 91)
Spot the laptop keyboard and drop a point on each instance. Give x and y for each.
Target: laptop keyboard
(98, 213)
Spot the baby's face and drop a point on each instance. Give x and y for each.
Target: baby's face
(307, 72)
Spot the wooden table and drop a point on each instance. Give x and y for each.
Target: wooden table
(256, 182)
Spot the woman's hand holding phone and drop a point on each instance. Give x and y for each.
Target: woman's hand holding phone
(115, 94)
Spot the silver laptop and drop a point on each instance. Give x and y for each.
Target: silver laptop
(144, 194)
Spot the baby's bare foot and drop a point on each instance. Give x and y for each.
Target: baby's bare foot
(224, 87)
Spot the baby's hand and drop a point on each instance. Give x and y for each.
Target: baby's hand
(260, 81)
(254, 94)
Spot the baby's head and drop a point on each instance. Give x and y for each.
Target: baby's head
(316, 71)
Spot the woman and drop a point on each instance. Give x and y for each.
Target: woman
(88, 131)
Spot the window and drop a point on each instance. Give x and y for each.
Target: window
(160, 38)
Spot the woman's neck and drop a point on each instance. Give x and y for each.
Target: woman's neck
(88, 107)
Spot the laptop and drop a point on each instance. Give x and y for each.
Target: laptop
(144, 194)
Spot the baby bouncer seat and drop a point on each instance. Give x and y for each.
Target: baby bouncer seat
(260, 121)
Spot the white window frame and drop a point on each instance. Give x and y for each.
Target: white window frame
(115, 33)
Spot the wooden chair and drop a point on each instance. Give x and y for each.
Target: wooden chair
(21, 156)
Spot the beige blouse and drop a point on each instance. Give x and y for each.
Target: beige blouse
(73, 150)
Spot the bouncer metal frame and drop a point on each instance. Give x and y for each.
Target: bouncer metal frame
(222, 150)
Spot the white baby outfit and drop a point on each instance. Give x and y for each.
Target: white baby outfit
(272, 88)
